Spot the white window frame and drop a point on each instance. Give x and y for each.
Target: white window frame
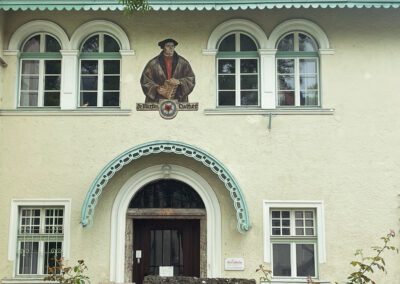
(318, 206)
(16, 204)
(41, 74)
(100, 74)
(238, 58)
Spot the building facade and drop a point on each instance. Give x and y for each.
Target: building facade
(279, 148)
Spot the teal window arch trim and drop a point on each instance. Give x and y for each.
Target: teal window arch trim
(174, 147)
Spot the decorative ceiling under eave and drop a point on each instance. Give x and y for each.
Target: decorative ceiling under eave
(51, 5)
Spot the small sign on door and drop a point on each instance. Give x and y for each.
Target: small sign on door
(166, 271)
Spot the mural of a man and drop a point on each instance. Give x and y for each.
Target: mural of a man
(168, 75)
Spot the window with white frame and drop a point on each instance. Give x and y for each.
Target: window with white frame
(293, 241)
(100, 62)
(238, 71)
(40, 239)
(297, 69)
(40, 72)
(294, 238)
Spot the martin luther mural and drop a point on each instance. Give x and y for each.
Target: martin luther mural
(168, 75)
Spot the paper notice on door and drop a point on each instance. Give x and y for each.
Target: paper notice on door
(166, 271)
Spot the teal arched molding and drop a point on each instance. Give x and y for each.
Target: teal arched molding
(156, 147)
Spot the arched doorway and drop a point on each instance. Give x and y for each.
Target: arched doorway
(122, 220)
(168, 223)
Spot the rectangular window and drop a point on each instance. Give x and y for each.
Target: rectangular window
(100, 83)
(297, 81)
(40, 84)
(40, 239)
(238, 82)
(294, 238)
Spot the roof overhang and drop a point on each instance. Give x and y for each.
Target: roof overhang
(173, 5)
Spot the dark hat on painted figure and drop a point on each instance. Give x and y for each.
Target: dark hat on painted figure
(163, 42)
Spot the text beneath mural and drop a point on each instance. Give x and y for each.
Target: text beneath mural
(168, 109)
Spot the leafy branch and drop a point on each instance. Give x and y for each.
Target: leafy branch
(68, 275)
(135, 5)
(266, 272)
(368, 264)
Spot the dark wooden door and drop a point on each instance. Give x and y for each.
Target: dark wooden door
(166, 243)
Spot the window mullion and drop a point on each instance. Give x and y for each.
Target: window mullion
(293, 259)
(41, 83)
(237, 82)
(100, 84)
(297, 81)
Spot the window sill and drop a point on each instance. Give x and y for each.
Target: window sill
(264, 111)
(59, 112)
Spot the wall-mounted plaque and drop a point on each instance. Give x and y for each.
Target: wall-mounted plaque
(234, 263)
(166, 271)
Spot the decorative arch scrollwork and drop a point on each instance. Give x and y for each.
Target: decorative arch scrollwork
(156, 147)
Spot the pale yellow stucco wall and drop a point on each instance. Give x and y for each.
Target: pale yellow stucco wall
(348, 159)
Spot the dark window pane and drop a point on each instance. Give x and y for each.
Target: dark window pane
(286, 66)
(287, 43)
(91, 44)
(248, 66)
(29, 99)
(226, 66)
(30, 67)
(89, 83)
(298, 214)
(276, 223)
(52, 44)
(276, 214)
(249, 98)
(286, 223)
(32, 45)
(276, 231)
(286, 98)
(88, 98)
(28, 257)
(111, 67)
(111, 83)
(110, 44)
(29, 83)
(167, 194)
(299, 232)
(248, 82)
(52, 256)
(228, 43)
(309, 214)
(111, 99)
(285, 231)
(226, 98)
(285, 214)
(89, 66)
(306, 43)
(281, 260)
(247, 44)
(52, 83)
(226, 82)
(285, 82)
(305, 260)
(52, 99)
(309, 98)
(52, 67)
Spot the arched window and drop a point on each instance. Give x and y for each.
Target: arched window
(167, 194)
(238, 71)
(40, 71)
(100, 71)
(297, 71)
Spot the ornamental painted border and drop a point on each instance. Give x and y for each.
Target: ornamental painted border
(156, 147)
